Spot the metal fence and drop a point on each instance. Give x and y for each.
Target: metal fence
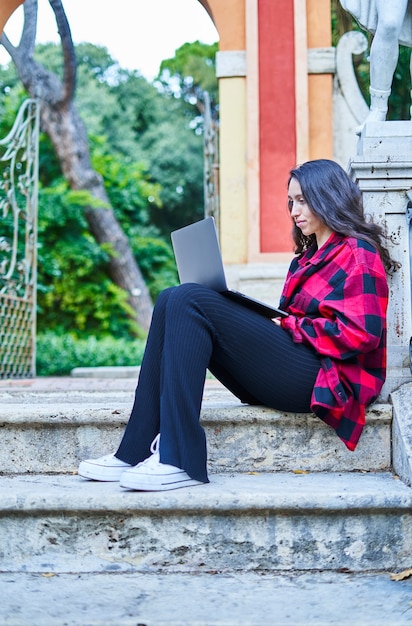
(18, 244)
(211, 162)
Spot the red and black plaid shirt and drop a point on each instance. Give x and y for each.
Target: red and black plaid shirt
(337, 298)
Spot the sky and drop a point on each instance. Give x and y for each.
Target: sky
(139, 35)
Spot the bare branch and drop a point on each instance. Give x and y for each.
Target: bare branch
(28, 36)
(25, 47)
(69, 55)
(6, 43)
(36, 79)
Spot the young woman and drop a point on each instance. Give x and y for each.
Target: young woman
(328, 356)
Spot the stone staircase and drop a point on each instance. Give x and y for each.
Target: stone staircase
(291, 526)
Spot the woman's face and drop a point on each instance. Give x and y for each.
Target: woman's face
(303, 217)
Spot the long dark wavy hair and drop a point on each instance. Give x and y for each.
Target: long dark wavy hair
(337, 201)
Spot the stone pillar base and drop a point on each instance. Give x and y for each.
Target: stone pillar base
(383, 170)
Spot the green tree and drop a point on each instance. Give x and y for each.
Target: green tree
(142, 123)
(191, 77)
(176, 164)
(75, 294)
(191, 73)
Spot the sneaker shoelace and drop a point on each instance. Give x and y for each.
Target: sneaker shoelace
(152, 462)
(154, 446)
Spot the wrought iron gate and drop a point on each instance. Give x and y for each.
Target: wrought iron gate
(18, 244)
(211, 162)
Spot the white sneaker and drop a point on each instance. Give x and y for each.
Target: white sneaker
(107, 468)
(151, 475)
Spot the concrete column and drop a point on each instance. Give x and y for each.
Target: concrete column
(383, 171)
(231, 72)
(320, 85)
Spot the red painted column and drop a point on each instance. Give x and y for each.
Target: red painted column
(277, 121)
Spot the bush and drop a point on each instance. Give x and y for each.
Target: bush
(58, 355)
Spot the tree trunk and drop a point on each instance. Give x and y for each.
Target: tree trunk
(62, 123)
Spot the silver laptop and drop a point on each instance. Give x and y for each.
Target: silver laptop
(199, 260)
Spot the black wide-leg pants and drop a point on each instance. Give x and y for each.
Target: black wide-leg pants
(194, 328)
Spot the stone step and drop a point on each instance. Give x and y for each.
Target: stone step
(52, 429)
(253, 522)
(216, 599)
(402, 432)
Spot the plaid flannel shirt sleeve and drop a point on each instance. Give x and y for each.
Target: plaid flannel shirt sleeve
(348, 321)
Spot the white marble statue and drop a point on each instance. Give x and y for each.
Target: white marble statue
(391, 23)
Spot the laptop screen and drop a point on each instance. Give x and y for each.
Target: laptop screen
(197, 254)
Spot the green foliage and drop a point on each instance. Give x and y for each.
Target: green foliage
(190, 73)
(400, 98)
(129, 120)
(75, 294)
(157, 262)
(190, 76)
(9, 80)
(138, 108)
(135, 199)
(9, 106)
(58, 355)
(176, 157)
(128, 186)
(97, 60)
